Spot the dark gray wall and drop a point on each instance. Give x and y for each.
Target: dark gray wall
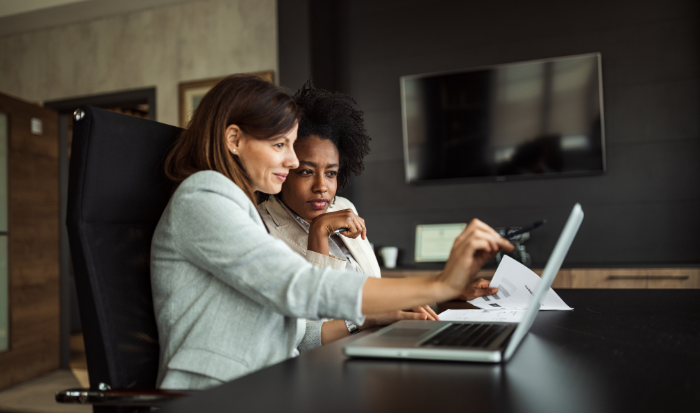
(294, 42)
(644, 211)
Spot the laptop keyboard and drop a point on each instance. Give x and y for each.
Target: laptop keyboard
(466, 335)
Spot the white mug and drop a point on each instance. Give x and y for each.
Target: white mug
(389, 255)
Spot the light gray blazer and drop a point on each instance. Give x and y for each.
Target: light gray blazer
(227, 295)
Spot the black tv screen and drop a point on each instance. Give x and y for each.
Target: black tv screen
(521, 120)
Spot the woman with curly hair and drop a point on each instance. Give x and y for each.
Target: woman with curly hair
(307, 214)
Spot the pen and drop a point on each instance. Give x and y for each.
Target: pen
(525, 229)
(339, 230)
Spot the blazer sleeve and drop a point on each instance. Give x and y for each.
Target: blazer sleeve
(312, 336)
(214, 230)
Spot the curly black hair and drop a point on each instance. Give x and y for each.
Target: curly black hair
(334, 116)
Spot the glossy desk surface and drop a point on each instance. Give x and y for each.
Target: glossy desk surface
(618, 351)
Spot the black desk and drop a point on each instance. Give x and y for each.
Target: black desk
(618, 351)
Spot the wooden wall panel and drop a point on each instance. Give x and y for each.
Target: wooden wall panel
(33, 254)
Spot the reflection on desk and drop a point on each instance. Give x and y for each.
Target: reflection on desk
(619, 350)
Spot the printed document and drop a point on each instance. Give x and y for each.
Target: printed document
(491, 316)
(516, 283)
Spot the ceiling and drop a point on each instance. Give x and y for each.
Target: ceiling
(17, 16)
(12, 7)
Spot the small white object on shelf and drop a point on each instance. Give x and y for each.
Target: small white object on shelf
(389, 255)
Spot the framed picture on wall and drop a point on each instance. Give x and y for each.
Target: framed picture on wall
(191, 93)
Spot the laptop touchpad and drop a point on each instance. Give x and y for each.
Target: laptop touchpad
(405, 332)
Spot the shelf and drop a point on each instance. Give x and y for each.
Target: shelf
(593, 277)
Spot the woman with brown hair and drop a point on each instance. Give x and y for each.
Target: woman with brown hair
(230, 299)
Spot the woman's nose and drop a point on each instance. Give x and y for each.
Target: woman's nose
(320, 185)
(291, 160)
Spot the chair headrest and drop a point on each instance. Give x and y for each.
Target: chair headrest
(123, 173)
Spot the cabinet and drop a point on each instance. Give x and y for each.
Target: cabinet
(633, 278)
(595, 277)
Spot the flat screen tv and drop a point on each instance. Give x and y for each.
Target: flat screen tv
(532, 119)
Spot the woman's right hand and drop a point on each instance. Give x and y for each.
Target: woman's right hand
(325, 224)
(473, 247)
(331, 221)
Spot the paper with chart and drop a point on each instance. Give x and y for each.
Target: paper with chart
(490, 316)
(516, 284)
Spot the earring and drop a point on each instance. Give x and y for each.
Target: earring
(234, 150)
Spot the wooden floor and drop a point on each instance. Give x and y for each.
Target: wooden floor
(37, 395)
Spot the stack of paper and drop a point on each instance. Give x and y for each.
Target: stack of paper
(490, 316)
(516, 284)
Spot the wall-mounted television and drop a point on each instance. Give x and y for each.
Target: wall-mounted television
(532, 119)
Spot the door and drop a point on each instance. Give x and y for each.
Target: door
(29, 241)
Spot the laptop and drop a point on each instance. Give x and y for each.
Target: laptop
(466, 341)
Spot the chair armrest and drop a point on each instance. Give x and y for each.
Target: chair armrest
(121, 397)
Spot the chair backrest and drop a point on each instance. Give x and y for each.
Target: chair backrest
(117, 191)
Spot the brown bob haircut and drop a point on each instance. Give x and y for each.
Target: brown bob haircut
(260, 109)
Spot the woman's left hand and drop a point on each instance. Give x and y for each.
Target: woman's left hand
(390, 317)
(431, 315)
(477, 288)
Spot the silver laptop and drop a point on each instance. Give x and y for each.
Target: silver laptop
(466, 341)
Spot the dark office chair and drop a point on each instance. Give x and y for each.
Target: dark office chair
(116, 194)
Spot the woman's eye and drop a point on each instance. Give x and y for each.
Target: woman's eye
(333, 173)
(279, 145)
(305, 172)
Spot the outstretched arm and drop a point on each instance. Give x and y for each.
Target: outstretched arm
(473, 247)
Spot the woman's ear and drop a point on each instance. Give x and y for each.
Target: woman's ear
(233, 136)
